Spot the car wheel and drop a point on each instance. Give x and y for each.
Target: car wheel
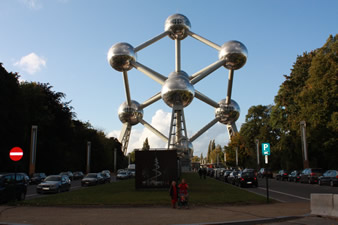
(320, 183)
(309, 181)
(331, 183)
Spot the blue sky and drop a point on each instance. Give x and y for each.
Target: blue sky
(65, 43)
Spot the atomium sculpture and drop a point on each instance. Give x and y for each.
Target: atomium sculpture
(178, 88)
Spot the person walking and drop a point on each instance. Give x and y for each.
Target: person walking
(173, 192)
(200, 172)
(183, 194)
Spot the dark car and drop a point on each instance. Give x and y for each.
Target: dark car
(294, 176)
(226, 174)
(310, 175)
(37, 178)
(54, 184)
(232, 177)
(265, 172)
(92, 179)
(122, 174)
(282, 175)
(12, 187)
(246, 178)
(69, 174)
(330, 177)
(78, 175)
(106, 176)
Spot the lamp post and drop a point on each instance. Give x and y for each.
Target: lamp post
(304, 144)
(257, 149)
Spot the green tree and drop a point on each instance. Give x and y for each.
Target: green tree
(146, 146)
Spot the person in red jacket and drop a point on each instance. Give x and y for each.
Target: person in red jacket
(173, 191)
(183, 193)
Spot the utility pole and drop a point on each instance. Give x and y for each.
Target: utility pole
(304, 144)
(257, 149)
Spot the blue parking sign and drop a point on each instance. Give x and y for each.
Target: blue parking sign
(266, 148)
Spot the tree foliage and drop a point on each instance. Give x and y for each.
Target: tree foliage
(62, 139)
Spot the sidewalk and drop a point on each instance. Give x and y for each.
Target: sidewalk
(150, 215)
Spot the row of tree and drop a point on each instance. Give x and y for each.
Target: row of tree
(309, 93)
(62, 139)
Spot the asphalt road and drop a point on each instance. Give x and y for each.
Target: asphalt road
(285, 191)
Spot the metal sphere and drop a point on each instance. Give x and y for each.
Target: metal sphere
(177, 90)
(178, 25)
(130, 114)
(234, 53)
(120, 56)
(227, 113)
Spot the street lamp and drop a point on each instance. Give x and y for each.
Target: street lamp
(304, 145)
(257, 148)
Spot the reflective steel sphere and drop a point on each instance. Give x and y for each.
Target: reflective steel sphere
(227, 113)
(235, 54)
(130, 114)
(178, 25)
(120, 56)
(177, 90)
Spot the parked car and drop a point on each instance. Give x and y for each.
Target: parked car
(69, 174)
(78, 175)
(11, 188)
(265, 172)
(226, 174)
(330, 177)
(92, 179)
(106, 176)
(54, 184)
(310, 175)
(26, 178)
(122, 174)
(282, 175)
(246, 178)
(232, 177)
(37, 178)
(294, 176)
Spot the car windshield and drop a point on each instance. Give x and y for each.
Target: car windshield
(248, 174)
(92, 175)
(36, 175)
(53, 178)
(316, 170)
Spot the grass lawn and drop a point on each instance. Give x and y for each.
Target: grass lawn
(202, 192)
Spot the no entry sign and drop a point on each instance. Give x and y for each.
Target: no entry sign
(16, 154)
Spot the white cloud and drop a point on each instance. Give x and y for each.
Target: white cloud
(161, 121)
(31, 63)
(33, 4)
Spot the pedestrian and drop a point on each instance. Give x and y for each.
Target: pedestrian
(200, 172)
(183, 194)
(204, 173)
(173, 191)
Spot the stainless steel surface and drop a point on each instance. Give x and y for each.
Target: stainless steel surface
(205, 99)
(177, 55)
(177, 25)
(131, 114)
(232, 129)
(234, 53)
(196, 77)
(151, 41)
(227, 113)
(152, 129)
(159, 78)
(178, 131)
(151, 100)
(204, 129)
(204, 40)
(126, 87)
(124, 137)
(177, 90)
(120, 56)
(230, 81)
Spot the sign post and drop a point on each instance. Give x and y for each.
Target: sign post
(266, 153)
(15, 154)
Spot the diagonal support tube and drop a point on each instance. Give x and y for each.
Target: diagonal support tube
(196, 77)
(126, 87)
(204, 40)
(159, 78)
(152, 129)
(204, 129)
(151, 41)
(230, 80)
(205, 99)
(151, 100)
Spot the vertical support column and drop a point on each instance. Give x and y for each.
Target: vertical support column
(230, 81)
(89, 145)
(304, 144)
(32, 158)
(257, 149)
(177, 55)
(236, 156)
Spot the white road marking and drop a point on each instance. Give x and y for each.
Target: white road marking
(278, 192)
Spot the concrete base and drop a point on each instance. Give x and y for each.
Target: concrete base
(324, 205)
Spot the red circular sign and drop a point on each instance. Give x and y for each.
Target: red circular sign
(16, 154)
